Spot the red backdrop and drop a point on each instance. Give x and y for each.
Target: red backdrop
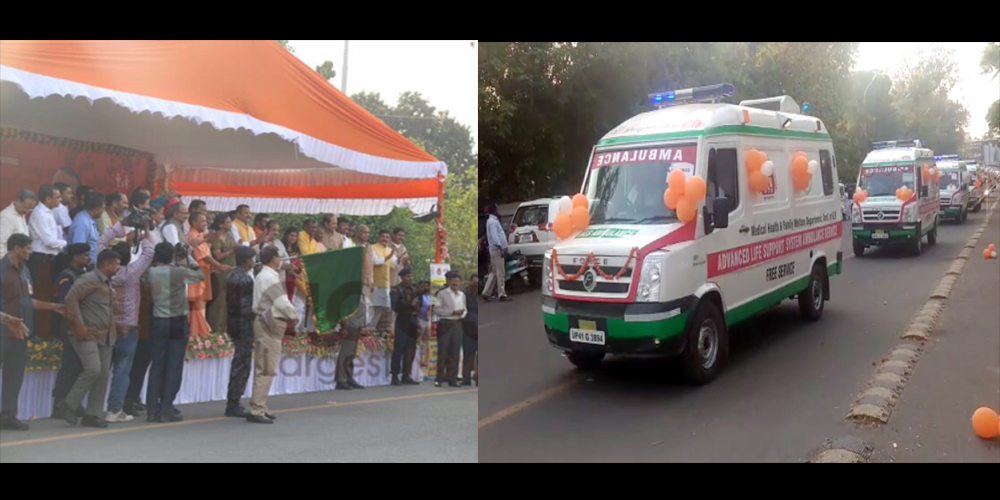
(28, 160)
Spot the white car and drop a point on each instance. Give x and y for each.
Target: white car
(531, 233)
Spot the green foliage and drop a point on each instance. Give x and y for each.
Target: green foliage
(326, 70)
(543, 105)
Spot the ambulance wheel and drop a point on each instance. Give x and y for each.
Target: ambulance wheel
(932, 235)
(585, 360)
(811, 299)
(859, 249)
(916, 247)
(707, 345)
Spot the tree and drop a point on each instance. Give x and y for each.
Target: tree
(435, 131)
(921, 88)
(326, 70)
(284, 43)
(991, 66)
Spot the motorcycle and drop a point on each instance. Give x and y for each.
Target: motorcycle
(516, 273)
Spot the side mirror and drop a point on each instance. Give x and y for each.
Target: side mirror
(923, 191)
(720, 213)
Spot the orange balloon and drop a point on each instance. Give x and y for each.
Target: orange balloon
(580, 218)
(987, 253)
(676, 181)
(695, 189)
(984, 422)
(670, 198)
(580, 200)
(758, 182)
(937, 176)
(992, 246)
(686, 210)
(754, 159)
(800, 173)
(562, 226)
(926, 173)
(978, 184)
(860, 196)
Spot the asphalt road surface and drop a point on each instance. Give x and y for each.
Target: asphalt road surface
(378, 424)
(788, 386)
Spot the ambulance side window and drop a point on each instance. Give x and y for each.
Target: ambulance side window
(722, 176)
(826, 169)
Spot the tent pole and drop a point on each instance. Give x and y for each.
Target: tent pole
(437, 258)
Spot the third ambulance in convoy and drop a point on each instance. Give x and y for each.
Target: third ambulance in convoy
(639, 282)
(954, 188)
(883, 218)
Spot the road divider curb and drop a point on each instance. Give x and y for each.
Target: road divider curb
(876, 401)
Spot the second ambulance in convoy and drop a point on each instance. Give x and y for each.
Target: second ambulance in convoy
(953, 186)
(638, 282)
(885, 219)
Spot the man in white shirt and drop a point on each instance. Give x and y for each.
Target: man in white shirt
(450, 308)
(12, 219)
(61, 212)
(46, 242)
(274, 311)
(498, 248)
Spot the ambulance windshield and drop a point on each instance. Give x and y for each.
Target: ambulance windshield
(885, 180)
(627, 186)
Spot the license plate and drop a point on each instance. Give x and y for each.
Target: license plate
(525, 238)
(879, 235)
(594, 337)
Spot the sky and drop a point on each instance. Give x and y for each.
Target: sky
(444, 72)
(975, 90)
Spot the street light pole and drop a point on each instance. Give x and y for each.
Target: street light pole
(343, 80)
(864, 105)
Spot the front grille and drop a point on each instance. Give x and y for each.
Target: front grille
(607, 270)
(577, 286)
(888, 214)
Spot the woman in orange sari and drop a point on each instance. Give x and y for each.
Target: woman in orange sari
(201, 293)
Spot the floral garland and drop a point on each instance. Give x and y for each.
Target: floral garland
(592, 260)
(47, 355)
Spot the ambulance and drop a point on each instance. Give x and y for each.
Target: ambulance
(638, 282)
(885, 219)
(976, 193)
(953, 188)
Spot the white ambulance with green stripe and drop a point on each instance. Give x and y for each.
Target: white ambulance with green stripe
(638, 282)
(883, 219)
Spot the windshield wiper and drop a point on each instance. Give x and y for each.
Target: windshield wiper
(613, 219)
(654, 218)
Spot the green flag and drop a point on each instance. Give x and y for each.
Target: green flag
(334, 281)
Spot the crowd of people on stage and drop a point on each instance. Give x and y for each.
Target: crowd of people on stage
(125, 280)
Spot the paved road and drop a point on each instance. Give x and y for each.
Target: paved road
(788, 387)
(379, 424)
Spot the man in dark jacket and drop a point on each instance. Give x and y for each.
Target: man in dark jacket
(78, 258)
(239, 326)
(406, 303)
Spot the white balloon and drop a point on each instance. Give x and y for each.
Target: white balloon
(566, 205)
(932, 170)
(813, 166)
(767, 168)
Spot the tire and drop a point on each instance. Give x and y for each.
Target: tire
(811, 301)
(515, 285)
(585, 360)
(859, 249)
(916, 247)
(932, 234)
(535, 279)
(707, 345)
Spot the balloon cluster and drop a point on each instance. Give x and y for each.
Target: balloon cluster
(986, 423)
(860, 195)
(990, 252)
(759, 168)
(802, 170)
(574, 215)
(978, 184)
(683, 194)
(904, 193)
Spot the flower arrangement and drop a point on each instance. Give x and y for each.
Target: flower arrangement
(44, 355)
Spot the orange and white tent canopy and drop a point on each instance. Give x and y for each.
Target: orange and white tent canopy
(231, 122)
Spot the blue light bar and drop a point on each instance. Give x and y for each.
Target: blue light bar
(806, 108)
(708, 93)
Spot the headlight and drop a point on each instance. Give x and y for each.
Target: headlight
(547, 277)
(956, 198)
(855, 214)
(910, 213)
(649, 280)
